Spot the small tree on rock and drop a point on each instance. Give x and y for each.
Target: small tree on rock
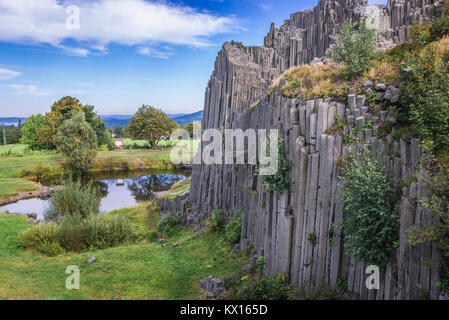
(77, 141)
(355, 48)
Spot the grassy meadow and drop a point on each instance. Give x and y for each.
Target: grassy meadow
(18, 166)
(145, 270)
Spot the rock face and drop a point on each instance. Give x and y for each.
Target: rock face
(278, 226)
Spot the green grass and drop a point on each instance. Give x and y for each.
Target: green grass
(12, 186)
(177, 189)
(11, 167)
(14, 148)
(139, 271)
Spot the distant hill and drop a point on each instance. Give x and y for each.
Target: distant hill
(123, 120)
(179, 118)
(187, 118)
(11, 121)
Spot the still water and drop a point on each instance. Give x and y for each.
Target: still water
(117, 190)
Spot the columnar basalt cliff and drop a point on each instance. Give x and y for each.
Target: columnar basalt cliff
(278, 226)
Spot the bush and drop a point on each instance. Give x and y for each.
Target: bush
(440, 27)
(153, 235)
(217, 219)
(279, 181)
(168, 222)
(71, 235)
(437, 230)
(76, 235)
(426, 98)
(355, 48)
(233, 228)
(106, 231)
(73, 199)
(265, 288)
(368, 199)
(43, 238)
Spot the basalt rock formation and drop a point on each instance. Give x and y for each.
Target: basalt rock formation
(278, 226)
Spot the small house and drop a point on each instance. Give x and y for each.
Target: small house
(118, 143)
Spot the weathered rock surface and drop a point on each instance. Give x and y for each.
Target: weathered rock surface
(277, 226)
(213, 287)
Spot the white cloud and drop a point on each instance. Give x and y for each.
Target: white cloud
(265, 6)
(6, 74)
(27, 89)
(151, 52)
(102, 22)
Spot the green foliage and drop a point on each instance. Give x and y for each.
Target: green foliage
(108, 141)
(153, 235)
(265, 288)
(61, 111)
(43, 238)
(150, 124)
(30, 130)
(189, 128)
(107, 231)
(73, 199)
(217, 219)
(368, 199)
(73, 234)
(260, 264)
(323, 292)
(279, 181)
(355, 48)
(426, 99)
(437, 229)
(119, 131)
(77, 141)
(341, 285)
(312, 237)
(439, 27)
(233, 228)
(167, 223)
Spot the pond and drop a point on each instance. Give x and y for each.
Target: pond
(117, 189)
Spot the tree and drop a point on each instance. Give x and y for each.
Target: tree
(13, 134)
(355, 48)
(108, 140)
(77, 141)
(4, 133)
(30, 132)
(119, 132)
(62, 110)
(189, 128)
(150, 124)
(49, 128)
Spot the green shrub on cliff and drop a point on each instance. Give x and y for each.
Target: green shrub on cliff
(369, 221)
(425, 95)
(233, 227)
(355, 48)
(437, 229)
(280, 181)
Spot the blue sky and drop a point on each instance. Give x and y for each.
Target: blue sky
(125, 53)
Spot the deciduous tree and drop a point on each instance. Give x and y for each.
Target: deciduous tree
(77, 141)
(150, 124)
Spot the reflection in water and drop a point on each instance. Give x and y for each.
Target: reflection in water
(136, 187)
(143, 188)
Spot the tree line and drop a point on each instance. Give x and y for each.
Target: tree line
(77, 132)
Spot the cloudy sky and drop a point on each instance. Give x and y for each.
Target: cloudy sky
(123, 53)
